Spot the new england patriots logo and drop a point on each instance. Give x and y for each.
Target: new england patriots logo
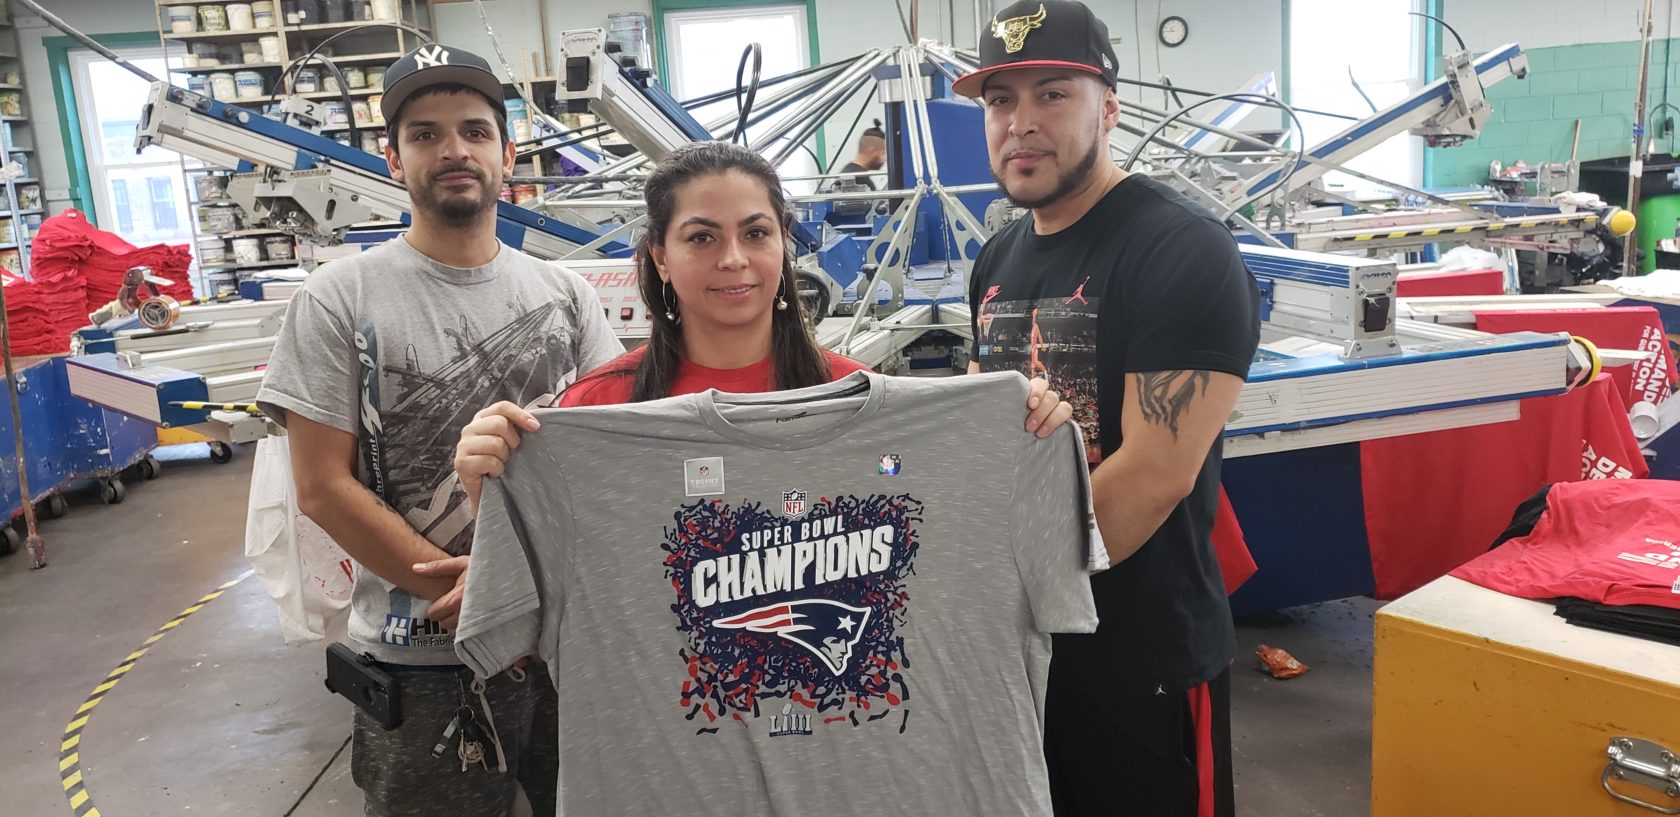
(828, 629)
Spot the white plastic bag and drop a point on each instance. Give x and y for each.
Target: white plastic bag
(306, 573)
(1466, 257)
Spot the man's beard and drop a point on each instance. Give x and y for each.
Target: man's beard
(455, 210)
(1069, 181)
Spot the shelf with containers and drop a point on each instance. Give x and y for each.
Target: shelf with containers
(21, 203)
(253, 54)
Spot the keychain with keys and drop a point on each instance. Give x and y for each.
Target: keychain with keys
(471, 750)
(449, 732)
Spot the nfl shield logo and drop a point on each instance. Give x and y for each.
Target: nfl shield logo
(793, 503)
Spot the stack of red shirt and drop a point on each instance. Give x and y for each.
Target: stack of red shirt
(77, 268)
(28, 318)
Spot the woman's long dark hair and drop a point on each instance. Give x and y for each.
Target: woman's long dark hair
(795, 359)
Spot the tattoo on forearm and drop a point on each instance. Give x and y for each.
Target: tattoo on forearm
(1164, 397)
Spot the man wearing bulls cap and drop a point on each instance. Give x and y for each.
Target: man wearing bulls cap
(383, 357)
(1144, 317)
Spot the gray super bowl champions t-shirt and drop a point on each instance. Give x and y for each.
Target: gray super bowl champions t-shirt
(402, 351)
(830, 601)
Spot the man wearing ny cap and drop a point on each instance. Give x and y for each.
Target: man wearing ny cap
(382, 359)
(1144, 317)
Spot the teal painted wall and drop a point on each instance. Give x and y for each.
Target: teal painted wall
(1534, 118)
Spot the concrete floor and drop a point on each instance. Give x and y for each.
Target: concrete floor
(221, 717)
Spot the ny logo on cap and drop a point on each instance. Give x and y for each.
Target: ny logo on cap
(1013, 31)
(431, 57)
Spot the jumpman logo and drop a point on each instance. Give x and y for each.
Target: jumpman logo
(1079, 294)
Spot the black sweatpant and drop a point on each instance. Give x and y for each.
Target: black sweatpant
(1112, 755)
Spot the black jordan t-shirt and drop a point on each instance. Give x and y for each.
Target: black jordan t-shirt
(1146, 281)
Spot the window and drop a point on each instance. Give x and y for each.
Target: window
(1330, 38)
(143, 196)
(704, 49)
(119, 200)
(163, 203)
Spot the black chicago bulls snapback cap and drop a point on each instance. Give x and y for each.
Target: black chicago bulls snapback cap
(435, 64)
(1042, 34)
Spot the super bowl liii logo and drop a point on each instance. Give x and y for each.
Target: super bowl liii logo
(788, 723)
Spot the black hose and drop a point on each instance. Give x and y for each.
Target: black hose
(424, 37)
(744, 108)
(729, 92)
(1257, 99)
(1443, 25)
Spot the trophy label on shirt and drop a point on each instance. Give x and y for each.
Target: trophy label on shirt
(783, 617)
(703, 477)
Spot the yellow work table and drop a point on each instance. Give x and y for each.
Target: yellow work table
(1486, 704)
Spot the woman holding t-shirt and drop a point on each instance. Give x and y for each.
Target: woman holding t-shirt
(715, 271)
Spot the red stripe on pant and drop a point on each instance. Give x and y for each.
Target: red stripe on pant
(1201, 712)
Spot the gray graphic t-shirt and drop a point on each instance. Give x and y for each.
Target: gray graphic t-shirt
(401, 351)
(829, 601)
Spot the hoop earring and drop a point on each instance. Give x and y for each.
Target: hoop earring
(664, 295)
(781, 302)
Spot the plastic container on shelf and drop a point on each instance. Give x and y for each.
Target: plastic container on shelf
(211, 252)
(278, 247)
(11, 103)
(270, 46)
(374, 111)
(262, 14)
(360, 113)
(210, 186)
(199, 84)
(239, 17)
(336, 115)
(388, 10)
(306, 80)
(221, 281)
(206, 55)
(376, 78)
(355, 77)
(247, 250)
(29, 197)
(212, 17)
(222, 220)
(223, 87)
(329, 83)
(182, 19)
(250, 51)
(370, 144)
(248, 84)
